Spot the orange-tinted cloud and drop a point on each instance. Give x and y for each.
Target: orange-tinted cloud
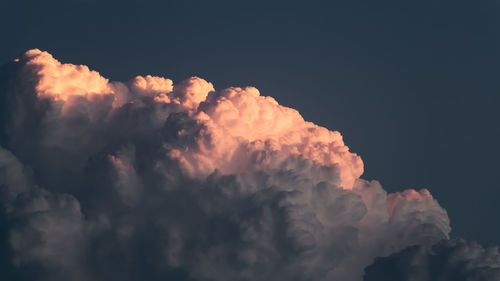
(219, 184)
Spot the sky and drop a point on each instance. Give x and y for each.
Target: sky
(412, 86)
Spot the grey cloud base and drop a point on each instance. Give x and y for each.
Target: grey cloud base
(147, 180)
(454, 259)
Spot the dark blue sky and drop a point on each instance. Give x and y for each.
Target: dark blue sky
(412, 85)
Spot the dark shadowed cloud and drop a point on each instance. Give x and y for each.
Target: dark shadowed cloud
(455, 259)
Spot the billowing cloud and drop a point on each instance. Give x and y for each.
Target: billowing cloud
(150, 180)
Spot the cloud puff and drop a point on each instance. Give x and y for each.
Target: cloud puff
(150, 180)
(61, 81)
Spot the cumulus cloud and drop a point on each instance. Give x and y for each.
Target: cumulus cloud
(150, 180)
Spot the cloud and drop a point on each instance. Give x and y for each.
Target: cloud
(150, 180)
(46, 229)
(455, 259)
